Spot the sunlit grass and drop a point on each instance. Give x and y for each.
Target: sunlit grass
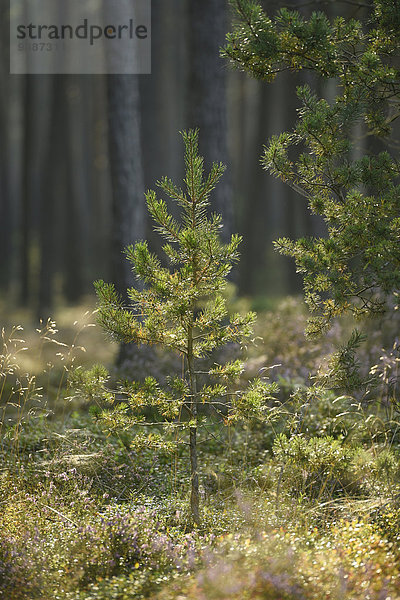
(86, 515)
(74, 328)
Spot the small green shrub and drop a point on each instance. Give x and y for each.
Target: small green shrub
(316, 467)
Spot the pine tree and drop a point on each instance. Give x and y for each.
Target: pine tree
(181, 307)
(356, 267)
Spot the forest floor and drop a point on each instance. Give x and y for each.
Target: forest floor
(302, 506)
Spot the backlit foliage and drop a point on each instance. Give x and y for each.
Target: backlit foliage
(357, 266)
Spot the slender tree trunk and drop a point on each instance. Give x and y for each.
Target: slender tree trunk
(194, 475)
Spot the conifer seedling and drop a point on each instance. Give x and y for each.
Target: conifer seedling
(181, 307)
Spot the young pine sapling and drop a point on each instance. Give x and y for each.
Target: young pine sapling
(181, 308)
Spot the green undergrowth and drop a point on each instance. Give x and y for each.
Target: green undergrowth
(304, 505)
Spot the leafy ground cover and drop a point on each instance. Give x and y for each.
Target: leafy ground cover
(304, 505)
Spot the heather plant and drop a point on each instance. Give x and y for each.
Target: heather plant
(181, 307)
(22, 563)
(53, 545)
(348, 560)
(121, 541)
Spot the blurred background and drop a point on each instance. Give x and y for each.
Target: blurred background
(77, 153)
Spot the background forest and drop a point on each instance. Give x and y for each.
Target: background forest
(187, 413)
(65, 137)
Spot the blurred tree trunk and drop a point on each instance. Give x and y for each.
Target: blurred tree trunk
(6, 242)
(295, 208)
(127, 186)
(48, 197)
(5, 214)
(154, 104)
(128, 202)
(253, 202)
(125, 163)
(26, 207)
(162, 100)
(207, 96)
(77, 232)
(100, 180)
